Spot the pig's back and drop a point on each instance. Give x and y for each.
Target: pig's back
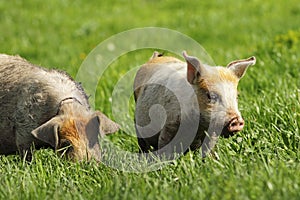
(19, 78)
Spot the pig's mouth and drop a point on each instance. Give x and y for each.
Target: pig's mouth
(226, 133)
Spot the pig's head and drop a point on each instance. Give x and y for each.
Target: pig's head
(216, 89)
(75, 131)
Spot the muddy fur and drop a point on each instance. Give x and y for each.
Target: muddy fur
(30, 96)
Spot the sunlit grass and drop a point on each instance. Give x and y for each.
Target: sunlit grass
(261, 162)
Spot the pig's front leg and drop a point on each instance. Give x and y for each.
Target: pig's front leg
(165, 137)
(208, 145)
(24, 144)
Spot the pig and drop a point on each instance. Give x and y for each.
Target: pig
(182, 106)
(43, 108)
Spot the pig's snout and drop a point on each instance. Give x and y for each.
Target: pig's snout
(236, 125)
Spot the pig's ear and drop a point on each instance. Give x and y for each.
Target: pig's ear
(194, 68)
(92, 132)
(48, 132)
(156, 54)
(240, 67)
(107, 125)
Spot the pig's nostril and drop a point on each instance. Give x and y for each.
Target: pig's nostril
(233, 124)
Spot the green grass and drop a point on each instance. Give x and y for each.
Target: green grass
(261, 162)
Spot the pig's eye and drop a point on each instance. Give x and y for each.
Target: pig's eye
(212, 97)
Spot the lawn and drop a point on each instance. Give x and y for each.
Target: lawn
(261, 162)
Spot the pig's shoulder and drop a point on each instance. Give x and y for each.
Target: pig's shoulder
(157, 68)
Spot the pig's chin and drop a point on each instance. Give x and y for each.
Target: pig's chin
(226, 134)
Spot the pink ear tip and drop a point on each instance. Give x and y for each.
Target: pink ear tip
(252, 58)
(184, 54)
